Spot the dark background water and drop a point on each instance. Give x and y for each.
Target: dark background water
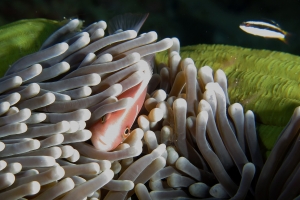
(192, 21)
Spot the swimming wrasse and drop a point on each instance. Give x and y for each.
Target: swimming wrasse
(265, 29)
(23, 37)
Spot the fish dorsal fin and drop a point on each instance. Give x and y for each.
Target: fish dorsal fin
(126, 21)
(271, 22)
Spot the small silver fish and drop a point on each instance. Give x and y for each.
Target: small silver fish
(264, 29)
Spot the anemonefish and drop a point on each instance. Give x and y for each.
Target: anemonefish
(113, 128)
(264, 29)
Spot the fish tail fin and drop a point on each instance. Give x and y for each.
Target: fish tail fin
(288, 38)
(126, 21)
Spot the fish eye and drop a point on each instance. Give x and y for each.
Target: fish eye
(127, 131)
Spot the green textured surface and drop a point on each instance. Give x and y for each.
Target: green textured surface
(22, 38)
(266, 82)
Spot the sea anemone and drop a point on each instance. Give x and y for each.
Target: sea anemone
(212, 145)
(189, 141)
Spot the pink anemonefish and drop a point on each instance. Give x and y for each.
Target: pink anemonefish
(113, 128)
